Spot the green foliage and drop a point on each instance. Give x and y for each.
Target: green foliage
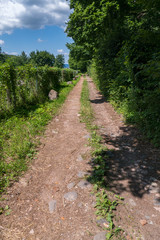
(59, 61)
(121, 39)
(26, 84)
(2, 57)
(42, 58)
(78, 57)
(86, 110)
(68, 74)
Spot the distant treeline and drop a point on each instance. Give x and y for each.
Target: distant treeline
(119, 42)
(36, 58)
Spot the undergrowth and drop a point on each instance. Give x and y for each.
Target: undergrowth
(106, 202)
(19, 133)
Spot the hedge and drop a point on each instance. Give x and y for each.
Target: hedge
(28, 84)
(68, 74)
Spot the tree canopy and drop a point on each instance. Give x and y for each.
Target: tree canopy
(119, 42)
(59, 61)
(42, 58)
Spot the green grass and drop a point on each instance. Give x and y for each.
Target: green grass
(106, 201)
(19, 133)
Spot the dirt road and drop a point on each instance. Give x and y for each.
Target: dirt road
(53, 201)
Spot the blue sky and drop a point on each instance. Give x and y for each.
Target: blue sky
(30, 25)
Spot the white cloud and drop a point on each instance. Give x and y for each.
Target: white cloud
(60, 50)
(1, 42)
(11, 53)
(34, 14)
(40, 40)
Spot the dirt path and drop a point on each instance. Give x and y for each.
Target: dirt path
(54, 202)
(134, 168)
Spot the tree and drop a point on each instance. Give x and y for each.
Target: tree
(42, 58)
(2, 56)
(59, 61)
(23, 59)
(78, 57)
(122, 40)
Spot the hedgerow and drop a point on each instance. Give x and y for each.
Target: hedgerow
(28, 84)
(68, 75)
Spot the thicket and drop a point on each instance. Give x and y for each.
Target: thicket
(122, 38)
(29, 85)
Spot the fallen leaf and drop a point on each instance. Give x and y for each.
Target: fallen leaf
(106, 225)
(143, 222)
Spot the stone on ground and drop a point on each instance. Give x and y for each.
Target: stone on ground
(70, 196)
(53, 95)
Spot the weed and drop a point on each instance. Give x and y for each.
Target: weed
(5, 210)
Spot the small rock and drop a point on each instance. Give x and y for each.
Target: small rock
(157, 201)
(133, 169)
(143, 222)
(103, 222)
(78, 115)
(23, 182)
(157, 195)
(54, 132)
(88, 136)
(53, 95)
(70, 196)
(79, 159)
(31, 232)
(150, 222)
(52, 206)
(132, 202)
(154, 184)
(82, 174)
(157, 208)
(71, 185)
(84, 184)
(100, 236)
(69, 82)
(153, 190)
(80, 205)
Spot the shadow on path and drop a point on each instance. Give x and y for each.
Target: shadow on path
(131, 166)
